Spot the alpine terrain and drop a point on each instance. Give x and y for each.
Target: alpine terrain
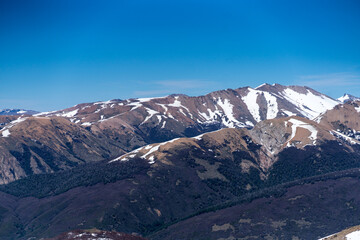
(272, 162)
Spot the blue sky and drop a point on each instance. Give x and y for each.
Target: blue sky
(55, 54)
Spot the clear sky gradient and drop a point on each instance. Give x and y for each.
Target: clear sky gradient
(55, 54)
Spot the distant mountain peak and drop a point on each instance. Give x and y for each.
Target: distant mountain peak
(348, 97)
(11, 112)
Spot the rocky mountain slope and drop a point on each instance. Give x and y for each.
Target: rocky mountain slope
(48, 142)
(272, 136)
(33, 145)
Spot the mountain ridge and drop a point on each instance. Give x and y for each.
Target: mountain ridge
(119, 126)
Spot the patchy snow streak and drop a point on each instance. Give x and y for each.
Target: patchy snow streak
(147, 152)
(272, 106)
(228, 111)
(86, 124)
(178, 104)
(212, 115)
(250, 101)
(68, 114)
(135, 104)
(151, 113)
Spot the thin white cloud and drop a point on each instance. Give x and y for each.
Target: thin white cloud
(331, 80)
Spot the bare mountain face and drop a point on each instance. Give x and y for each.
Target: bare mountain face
(104, 130)
(33, 145)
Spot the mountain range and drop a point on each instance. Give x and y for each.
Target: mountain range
(52, 141)
(274, 162)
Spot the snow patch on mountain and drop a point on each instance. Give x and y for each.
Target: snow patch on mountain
(177, 103)
(272, 106)
(5, 133)
(135, 104)
(68, 114)
(300, 124)
(146, 151)
(151, 113)
(357, 109)
(6, 130)
(353, 236)
(227, 108)
(344, 137)
(250, 101)
(212, 115)
(348, 97)
(309, 104)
